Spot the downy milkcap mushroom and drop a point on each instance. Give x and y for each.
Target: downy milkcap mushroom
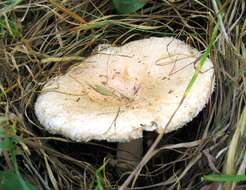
(119, 92)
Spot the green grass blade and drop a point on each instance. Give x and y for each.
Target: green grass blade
(10, 180)
(224, 178)
(202, 60)
(9, 6)
(128, 6)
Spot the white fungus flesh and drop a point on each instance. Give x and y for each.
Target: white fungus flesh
(119, 92)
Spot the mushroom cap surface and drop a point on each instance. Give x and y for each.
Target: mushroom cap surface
(118, 92)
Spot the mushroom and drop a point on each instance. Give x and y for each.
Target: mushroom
(118, 92)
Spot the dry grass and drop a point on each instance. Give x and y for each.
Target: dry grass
(42, 38)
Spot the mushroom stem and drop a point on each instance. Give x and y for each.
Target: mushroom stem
(129, 154)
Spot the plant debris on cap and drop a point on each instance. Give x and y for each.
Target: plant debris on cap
(118, 92)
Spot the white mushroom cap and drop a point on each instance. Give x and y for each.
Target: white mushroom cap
(117, 93)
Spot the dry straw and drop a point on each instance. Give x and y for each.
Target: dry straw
(42, 39)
